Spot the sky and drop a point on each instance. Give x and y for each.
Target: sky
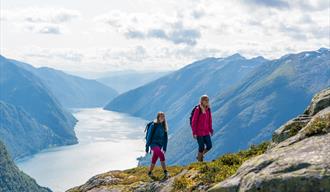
(87, 36)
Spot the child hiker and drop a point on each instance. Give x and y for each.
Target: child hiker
(156, 139)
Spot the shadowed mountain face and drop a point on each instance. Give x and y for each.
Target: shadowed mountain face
(27, 105)
(14, 180)
(72, 91)
(249, 98)
(22, 133)
(179, 91)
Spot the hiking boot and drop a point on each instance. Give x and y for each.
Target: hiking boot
(166, 175)
(200, 157)
(150, 174)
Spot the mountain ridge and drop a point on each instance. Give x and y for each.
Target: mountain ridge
(24, 97)
(72, 91)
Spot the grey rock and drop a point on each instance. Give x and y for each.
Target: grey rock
(297, 163)
(319, 102)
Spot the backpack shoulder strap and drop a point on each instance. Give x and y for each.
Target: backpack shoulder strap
(152, 130)
(199, 112)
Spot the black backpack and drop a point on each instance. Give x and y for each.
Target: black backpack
(192, 113)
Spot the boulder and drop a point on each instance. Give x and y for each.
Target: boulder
(298, 161)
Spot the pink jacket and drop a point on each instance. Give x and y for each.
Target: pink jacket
(202, 122)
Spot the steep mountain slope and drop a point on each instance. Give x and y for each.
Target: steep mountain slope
(178, 92)
(123, 81)
(251, 111)
(296, 163)
(26, 94)
(14, 180)
(72, 91)
(22, 134)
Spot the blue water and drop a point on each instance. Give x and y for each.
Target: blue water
(107, 141)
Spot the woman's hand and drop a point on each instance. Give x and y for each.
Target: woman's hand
(195, 136)
(147, 150)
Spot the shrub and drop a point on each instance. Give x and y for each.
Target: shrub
(320, 125)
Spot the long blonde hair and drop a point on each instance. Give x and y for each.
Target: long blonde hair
(165, 126)
(203, 97)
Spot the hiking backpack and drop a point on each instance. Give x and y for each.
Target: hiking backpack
(192, 113)
(147, 130)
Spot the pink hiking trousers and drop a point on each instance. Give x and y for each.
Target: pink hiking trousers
(156, 152)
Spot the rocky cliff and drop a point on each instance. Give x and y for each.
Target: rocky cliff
(297, 159)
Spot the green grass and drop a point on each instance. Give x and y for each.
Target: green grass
(294, 128)
(321, 125)
(218, 170)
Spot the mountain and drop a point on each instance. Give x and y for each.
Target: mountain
(295, 160)
(178, 92)
(248, 114)
(31, 118)
(14, 180)
(72, 91)
(248, 98)
(123, 81)
(22, 134)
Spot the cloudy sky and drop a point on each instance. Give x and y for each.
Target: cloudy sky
(108, 35)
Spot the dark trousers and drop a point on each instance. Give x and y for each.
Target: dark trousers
(204, 141)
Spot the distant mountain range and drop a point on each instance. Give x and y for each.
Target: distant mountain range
(14, 180)
(72, 91)
(123, 81)
(31, 117)
(250, 98)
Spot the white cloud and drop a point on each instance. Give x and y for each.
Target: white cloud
(40, 20)
(163, 34)
(156, 26)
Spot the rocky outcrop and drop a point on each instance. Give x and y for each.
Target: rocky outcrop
(299, 159)
(319, 102)
(130, 180)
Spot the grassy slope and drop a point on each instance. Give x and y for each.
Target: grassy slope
(198, 175)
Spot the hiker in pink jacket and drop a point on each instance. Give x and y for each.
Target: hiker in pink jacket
(201, 125)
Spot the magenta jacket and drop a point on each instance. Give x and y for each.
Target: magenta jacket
(202, 122)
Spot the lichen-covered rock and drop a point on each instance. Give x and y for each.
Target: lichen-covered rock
(319, 102)
(298, 162)
(135, 179)
(291, 128)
